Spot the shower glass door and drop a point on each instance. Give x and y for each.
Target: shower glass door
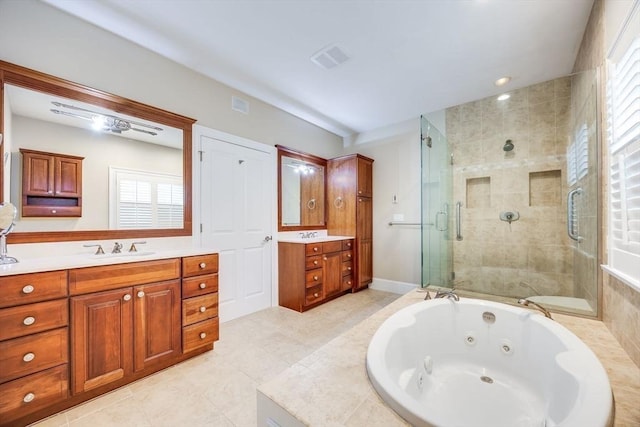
(437, 209)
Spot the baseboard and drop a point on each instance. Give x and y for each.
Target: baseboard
(392, 286)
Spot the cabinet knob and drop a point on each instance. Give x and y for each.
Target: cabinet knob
(203, 309)
(349, 268)
(349, 283)
(140, 294)
(348, 255)
(202, 335)
(316, 295)
(54, 211)
(28, 397)
(202, 285)
(315, 262)
(28, 357)
(127, 297)
(315, 277)
(202, 265)
(28, 321)
(315, 249)
(28, 289)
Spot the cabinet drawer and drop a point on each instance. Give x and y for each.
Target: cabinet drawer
(33, 353)
(32, 318)
(329, 247)
(313, 261)
(199, 308)
(313, 249)
(107, 277)
(313, 295)
(347, 282)
(35, 287)
(199, 285)
(313, 277)
(200, 264)
(347, 267)
(347, 255)
(35, 391)
(200, 334)
(347, 245)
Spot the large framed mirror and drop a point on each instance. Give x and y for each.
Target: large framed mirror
(302, 180)
(136, 179)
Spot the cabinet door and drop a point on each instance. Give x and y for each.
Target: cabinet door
(365, 242)
(156, 322)
(101, 330)
(332, 272)
(68, 177)
(37, 174)
(365, 178)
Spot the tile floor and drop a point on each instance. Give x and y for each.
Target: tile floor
(218, 388)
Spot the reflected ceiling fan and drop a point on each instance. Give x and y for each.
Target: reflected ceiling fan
(104, 122)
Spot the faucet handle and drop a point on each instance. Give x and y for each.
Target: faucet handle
(133, 246)
(99, 251)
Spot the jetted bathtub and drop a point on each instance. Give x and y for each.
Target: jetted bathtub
(484, 364)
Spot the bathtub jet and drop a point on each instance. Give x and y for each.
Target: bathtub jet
(441, 364)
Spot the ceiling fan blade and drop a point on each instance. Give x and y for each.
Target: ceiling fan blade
(73, 107)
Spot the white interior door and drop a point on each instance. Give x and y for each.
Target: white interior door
(236, 208)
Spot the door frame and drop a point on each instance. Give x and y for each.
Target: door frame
(200, 131)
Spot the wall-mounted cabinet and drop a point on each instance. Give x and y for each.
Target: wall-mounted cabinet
(51, 184)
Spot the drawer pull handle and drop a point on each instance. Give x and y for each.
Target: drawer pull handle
(203, 309)
(28, 357)
(127, 297)
(28, 289)
(316, 295)
(202, 335)
(140, 294)
(202, 265)
(315, 278)
(202, 285)
(315, 262)
(28, 321)
(28, 397)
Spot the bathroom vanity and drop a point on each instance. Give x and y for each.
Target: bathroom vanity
(71, 334)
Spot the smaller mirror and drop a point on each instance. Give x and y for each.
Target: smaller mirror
(7, 217)
(301, 190)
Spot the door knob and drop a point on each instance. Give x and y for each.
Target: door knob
(268, 238)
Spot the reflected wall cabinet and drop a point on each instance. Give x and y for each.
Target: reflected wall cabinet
(51, 184)
(350, 209)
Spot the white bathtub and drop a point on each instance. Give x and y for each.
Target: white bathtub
(444, 363)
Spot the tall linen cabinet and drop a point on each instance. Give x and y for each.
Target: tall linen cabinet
(350, 209)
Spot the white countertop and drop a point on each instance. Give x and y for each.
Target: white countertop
(35, 265)
(318, 239)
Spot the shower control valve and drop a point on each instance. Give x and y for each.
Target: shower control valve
(509, 216)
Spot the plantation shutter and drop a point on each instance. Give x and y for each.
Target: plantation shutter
(624, 149)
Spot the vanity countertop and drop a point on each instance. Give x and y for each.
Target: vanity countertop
(318, 239)
(35, 265)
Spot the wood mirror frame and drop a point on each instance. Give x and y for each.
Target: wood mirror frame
(309, 158)
(35, 80)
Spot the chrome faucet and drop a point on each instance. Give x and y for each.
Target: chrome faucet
(447, 294)
(309, 234)
(117, 248)
(528, 303)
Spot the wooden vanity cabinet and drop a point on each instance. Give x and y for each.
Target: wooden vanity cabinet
(34, 342)
(350, 210)
(313, 273)
(51, 184)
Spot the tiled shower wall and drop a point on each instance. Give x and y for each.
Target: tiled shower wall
(533, 255)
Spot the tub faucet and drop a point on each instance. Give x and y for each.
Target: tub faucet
(528, 303)
(447, 294)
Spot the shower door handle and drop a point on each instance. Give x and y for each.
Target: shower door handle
(458, 221)
(572, 215)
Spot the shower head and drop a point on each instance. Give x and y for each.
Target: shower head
(508, 145)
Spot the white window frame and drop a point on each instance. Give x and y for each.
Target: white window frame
(154, 179)
(623, 136)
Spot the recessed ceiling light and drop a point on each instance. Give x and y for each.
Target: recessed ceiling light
(502, 81)
(504, 97)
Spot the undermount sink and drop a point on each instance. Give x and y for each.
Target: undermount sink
(123, 255)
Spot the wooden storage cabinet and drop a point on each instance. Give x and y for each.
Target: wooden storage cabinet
(313, 273)
(350, 210)
(200, 324)
(51, 184)
(34, 342)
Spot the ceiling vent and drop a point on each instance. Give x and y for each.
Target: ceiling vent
(329, 57)
(240, 105)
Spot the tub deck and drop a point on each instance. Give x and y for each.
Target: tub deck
(331, 387)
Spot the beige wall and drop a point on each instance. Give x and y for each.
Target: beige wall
(38, 36)
(620, 303)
